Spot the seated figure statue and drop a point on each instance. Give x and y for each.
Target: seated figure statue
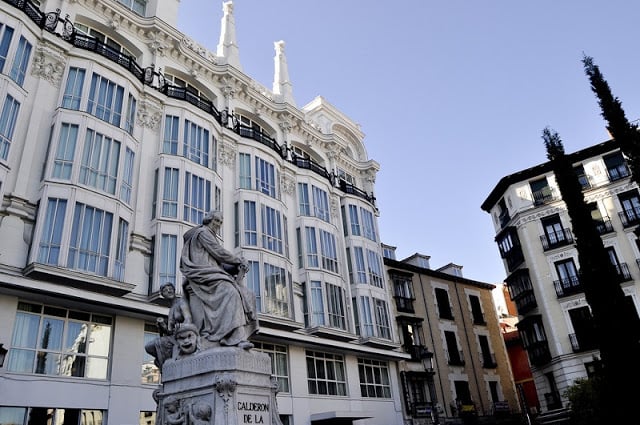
(222, 308)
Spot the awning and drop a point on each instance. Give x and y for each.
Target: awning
(337, 417)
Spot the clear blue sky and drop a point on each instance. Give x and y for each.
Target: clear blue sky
(452, 95)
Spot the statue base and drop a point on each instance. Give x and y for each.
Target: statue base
(224, 385)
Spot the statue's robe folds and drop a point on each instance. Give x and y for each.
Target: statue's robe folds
(223, 310)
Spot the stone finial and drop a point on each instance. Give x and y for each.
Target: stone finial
(228, 44)
(281, 83)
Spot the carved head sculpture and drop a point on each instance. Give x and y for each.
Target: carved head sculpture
(202, 410)
(187, 338)
(168, 290)
(213, 219)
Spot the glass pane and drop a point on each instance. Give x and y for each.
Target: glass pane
(52, 334)
(76, 337)
(99, 340)
(47, 363)
(12, 415)
(96, 368)
(25, 330)
(21, 360)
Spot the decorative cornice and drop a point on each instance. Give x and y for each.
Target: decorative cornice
(140, 243)
(49, 63)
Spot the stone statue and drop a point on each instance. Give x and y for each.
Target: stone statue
(186, 340)
(162, 348)
(222, 308)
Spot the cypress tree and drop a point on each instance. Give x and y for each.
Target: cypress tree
(615, 328)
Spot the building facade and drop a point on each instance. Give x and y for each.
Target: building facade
(117, 134)
(449, 325)
(534, 237)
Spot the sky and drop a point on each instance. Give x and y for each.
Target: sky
(451, 95)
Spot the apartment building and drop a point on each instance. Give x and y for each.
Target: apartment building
(117, 134)
(535, 241)
(449, 325)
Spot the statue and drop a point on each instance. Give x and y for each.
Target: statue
(222, 308)
(162, 348)
(186, 340)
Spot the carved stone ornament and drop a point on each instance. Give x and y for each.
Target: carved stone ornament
(198, 49)
(287, 183)
(155, 43)
(49, 63)
(226, 387)
(149, 115)
(227, 154)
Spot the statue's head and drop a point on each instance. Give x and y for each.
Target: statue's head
(187, 338)
(212, 219)
(168, 290)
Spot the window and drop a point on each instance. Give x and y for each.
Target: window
(100, 160)
(121, 250)
(630, 207)
(312, 247)
(8, 118)
(361, 271)
(554, 234)
(320, 204)
(19, 67)
(364, 325)
(476, 310)
(167, 259)
(90, 240)
(63, 161)
(403, 293)
(326, 373)
(105, 100)
(127, 177)
(244, 167)
(488, 358)
(616, 166)
(6, 33)
(196, 143)
(583, 179)
(55, 341)
(250, 224)
(253, 282)
(382, 319)
(276, 294)
(131, 114)
(315, 306)
(271, 229)
(374, 378)
(335, 306)
(265, 177)
(170, 193)
(170, 141)
(355, 221)
(111, 44)
(51, 239)
(48, 415)
(567, 273)
(73, 89)
(541, 191)
(137, 6)
(455, 356)
(279, 366)
(197, 198)
(368, 227)
(150, 373)
(329, 252)
(444, 308)
(303, 199)
(374, 263)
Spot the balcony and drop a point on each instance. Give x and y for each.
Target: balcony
(553, 240)
(543, 196)
(539, 353)
(618, 172)
(630, 217)
(568, 286)
(622, 270)
(583, 342)
(417, 351)
(526, 302)
(604, 226)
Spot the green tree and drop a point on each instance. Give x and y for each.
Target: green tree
(584, 399)
(615, 329)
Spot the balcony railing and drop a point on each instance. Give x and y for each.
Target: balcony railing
(544, 196)
(553, 240)
(526, 302)
(623, 272)
(456, 358)
(489, 361)
(630, 217)
(65, 29)
(618, 172)
(582, 342)
(539, 353)
(604, 225)
(568, 286)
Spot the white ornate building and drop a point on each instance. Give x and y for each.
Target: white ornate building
(535, 240)
(117, 133)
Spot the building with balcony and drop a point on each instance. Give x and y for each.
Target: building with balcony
(117, 134)
(449, 326)
(535, 241)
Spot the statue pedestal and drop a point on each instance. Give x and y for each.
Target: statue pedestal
(223, 385)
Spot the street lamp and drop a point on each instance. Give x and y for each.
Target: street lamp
(3, 354)
(427, 361)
